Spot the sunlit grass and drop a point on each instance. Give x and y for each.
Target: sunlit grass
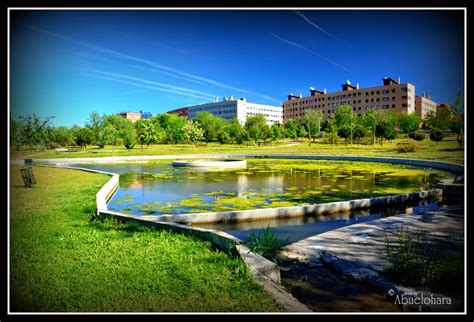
(446, 150)
(61, 261)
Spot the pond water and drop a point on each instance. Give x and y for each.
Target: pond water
(294, 229)
(159, 188)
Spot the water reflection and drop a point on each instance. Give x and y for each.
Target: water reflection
(294, 229)
(158, 188)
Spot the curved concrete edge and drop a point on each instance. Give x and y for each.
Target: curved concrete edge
(446, 166)
(264, 271)
(105, 193)
(295, 211)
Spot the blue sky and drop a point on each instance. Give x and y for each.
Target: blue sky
(68, 63)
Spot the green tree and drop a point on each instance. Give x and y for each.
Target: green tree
(129, 137)
(146, 133)
(257, 128)
(345, 122)
(169, 127)
(111, 133)
(291, 129)
(96, 123)
(62, 136)
(331, 129)
(210, 124)
(36, 130)
(312, 120)
(359, 131)
(276, 131)
(408, 123)
(125, 130)
(16, 134)
(236, 131)
(302, 132)
(193, 132)
(385, 127)
(223, 136)
(457, 122)
(83, 136)
(369, 122)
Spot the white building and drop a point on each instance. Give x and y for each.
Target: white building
(231, 108)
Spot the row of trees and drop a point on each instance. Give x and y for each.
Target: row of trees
(33, 132)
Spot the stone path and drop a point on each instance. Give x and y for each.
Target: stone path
(358, 252)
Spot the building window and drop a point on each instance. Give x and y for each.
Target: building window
(393, 98)
(393, 90)
(366, 93)
(385, 99)
(372, 93)
(385, 91)
(393, 105)
(378, 99)
(404, 105)
(403, 89)
(378, 92)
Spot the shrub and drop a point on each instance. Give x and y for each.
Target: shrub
(417, 136)
(329, 137)
(404, 147)
(418, 262)
(436, 135)
(265, 243)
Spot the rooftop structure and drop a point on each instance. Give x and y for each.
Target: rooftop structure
(230, 108)
(132, 116)
(391, 95)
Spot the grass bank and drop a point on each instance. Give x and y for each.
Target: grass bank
(60, 261)
(447, 150)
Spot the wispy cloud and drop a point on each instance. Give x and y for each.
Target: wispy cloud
(143, 86)
(161, 67)
(114, 94)
(309, 51)
(315, 25)
(140, 82)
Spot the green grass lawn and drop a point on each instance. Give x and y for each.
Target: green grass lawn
(61, 261)
(447, 150)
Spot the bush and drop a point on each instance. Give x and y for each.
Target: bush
(436, 135)
(265, 243)
(417, 136)
(417, 262)
(404, 147)
(330, 138)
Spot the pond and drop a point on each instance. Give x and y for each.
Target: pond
(291, 230)
(159, 188)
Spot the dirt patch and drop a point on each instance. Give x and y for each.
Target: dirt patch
(323, 290)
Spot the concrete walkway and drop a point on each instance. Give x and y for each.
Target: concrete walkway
(364, 244)
(358, 252)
